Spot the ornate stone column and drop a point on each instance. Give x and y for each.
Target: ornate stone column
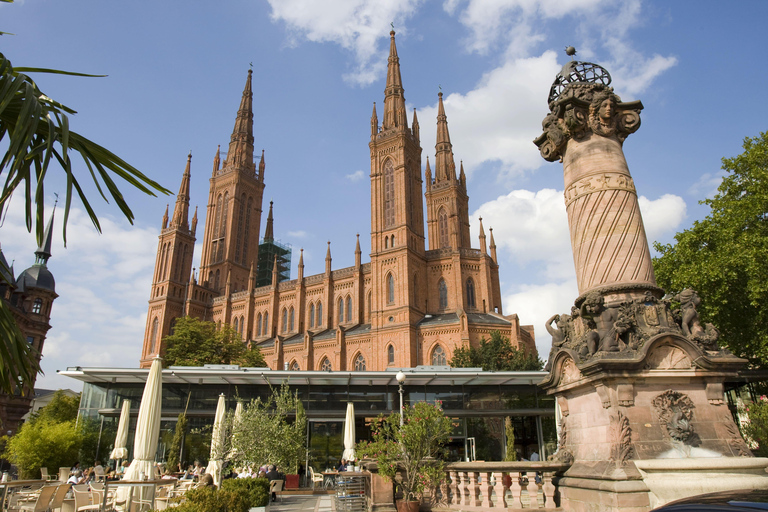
(585, 130)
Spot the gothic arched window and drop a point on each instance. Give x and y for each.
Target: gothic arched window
(390, 355)
(247, 230)
(319, 314)
(258, 325)
(235, 324)
(438, 356)
(153, 336)
(390, 289)
(294, 366)
(470, 293)
(311, 316)
(442, 292)
(242, 325)
(284, 328)
(389, 194)
(368, 309)
(325, 366)
(37, 306)
(240, 222)
(291, 324)
(359, 363)
(340, 307)
(442, 228)
(266, 324)
(349, 308)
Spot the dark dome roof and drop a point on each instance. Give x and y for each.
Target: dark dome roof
(36, 276)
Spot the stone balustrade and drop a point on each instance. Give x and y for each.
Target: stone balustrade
(484, 486)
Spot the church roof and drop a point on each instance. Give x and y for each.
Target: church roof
(294, 340)
(447, 318)
(36, 276)
(485, 318)
(325, 335)
(359, 329)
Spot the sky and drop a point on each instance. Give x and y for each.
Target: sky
(175, 74)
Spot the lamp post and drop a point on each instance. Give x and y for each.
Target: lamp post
(400, 379)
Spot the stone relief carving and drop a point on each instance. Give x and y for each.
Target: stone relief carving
(735, 441)
(562, 454)
(594, 329)
(621, 439)
(675, 411)
(569, 373)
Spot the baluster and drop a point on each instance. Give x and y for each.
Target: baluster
(455, 488)
(549, 490)
(501, 500)
(516, 490)
(465, 489)
(444, 493)
(533, 490)
(485, 490)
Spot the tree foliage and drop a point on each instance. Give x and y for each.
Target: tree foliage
(271, 431)
(418, 447)
(174, 451)
(725, 256)
(34, 131)
(509, 430)
(196, 342)
(756, 430)
(495, 354)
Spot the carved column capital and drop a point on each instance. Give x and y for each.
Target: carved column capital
(584, 109)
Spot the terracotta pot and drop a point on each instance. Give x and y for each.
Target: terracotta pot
(407, 506)
(291, 481)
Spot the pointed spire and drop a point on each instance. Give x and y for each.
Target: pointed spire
(252, 278)
(269, 234)
(194, 222)
(483, 247)
(180, 218)
(462, 176)
(328, 259)
(229, 283)
(301, 265)
(165, 217)
(217, 161)
(445, 167)
(274, 272)
(374, 121)
(428, 175)
(192, 279)
(358, 253)
(493, 248)
(394, 99)
(43, 252)
(262, 166)
(240, 152)
(415, 126)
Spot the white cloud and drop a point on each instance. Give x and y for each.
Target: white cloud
(531, 227)
(297, 234)
(536, 303)
(356, 25)
(103, 282)
(663, 216)
(355, 176)
(707, 185)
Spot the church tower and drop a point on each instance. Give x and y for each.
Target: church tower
(173, 266)
(397, 221)
(447, 200)
(233, 218)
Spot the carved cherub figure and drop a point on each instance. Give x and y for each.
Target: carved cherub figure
(604, 336)
(559, 332)
(690, 323)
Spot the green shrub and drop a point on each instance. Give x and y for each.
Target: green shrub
(257, 489)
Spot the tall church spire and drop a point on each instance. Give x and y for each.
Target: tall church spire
(241, 143)
(269, 233)
(180, 218)
(445, 167)
(43, 252)
(394, 99)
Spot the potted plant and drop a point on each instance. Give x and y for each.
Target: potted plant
(415, 450)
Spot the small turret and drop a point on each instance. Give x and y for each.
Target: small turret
(262, 167)
(415, 126)
(483, 248)
(493, 248)
(428, 175)
(328, 260)
(165, 217)
(269, 234)
(358, 253)
(194, 222)
(217, 161)
(274, 272)
(463, 177)
(251, 278)
(301, 265)
(180, 218)
(374, 122)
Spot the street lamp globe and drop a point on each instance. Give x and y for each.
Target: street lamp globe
(400, 377)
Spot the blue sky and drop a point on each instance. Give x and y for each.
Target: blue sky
(176, 72)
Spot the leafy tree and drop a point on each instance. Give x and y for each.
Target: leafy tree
(496, 354)
(196, 342)
(418, 447)
(34, 130)
(725, 256)
(174, 452)
(756, 430)
(509, 430)
(266, 433)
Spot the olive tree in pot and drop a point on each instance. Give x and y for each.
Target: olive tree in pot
(416, 449)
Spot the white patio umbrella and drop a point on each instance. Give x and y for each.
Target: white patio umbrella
(238, 411)
(349, 433)
(147, 430)
(120, 451)
(217, 442)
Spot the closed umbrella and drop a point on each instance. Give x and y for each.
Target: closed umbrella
(147, 429)
(120, 451)
(217, 442)
(349, 433)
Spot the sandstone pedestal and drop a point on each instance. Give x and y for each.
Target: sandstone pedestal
(648, 429)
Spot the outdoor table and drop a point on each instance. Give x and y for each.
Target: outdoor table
(329, 479)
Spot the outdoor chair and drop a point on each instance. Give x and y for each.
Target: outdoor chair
(45, 476)
(83, 499)
(59, 496)
(63, 474)
(43, 500)
(316, 478)
(276, 486)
